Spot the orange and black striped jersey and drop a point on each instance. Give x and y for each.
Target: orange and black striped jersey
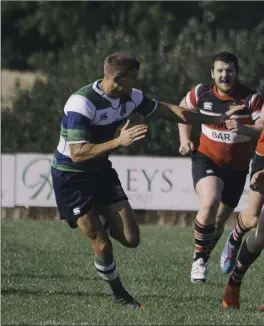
(225, 148)
(260, 145)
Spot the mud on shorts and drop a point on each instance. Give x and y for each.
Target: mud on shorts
(77, 192)
(234, 180)
(257, 164)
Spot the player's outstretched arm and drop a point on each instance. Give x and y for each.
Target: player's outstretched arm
(86, 151)
(176, 113)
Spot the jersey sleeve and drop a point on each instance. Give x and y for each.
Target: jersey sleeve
(255, 105)
(192, 98)
(143, 104)
(78, 113)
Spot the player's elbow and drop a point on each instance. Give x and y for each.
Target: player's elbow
(76, 158)
(81, 152)
(79, 157)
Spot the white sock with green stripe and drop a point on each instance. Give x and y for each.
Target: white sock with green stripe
(106, 272)
(110, 273)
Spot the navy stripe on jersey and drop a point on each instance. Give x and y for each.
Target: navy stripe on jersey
(76, 120)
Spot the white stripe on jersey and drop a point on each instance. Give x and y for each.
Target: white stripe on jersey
(252, 100)
(188, 102)
(219, 114)
(64, 146)
(224, 136)
(80, 104)
(210, 113)
(188, 98)
(255, 115)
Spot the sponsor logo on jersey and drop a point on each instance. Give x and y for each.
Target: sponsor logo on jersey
(104, 116)
(221, 136)
(208, 105)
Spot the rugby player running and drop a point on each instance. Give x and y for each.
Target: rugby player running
(221, 161)
(254, 244)
(84, 182)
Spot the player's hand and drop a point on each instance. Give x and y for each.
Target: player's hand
(234, 126)
(130, 135)
(233, 109)
(257, 181)
(186, 147)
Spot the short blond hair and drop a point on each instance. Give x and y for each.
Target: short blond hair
(120, 64)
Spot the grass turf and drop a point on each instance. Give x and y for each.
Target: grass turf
(48, 278)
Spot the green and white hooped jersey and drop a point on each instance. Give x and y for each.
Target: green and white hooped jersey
(90, 116)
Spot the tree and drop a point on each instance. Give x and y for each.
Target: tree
(168, 71)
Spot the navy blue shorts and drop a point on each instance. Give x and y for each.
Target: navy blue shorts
(234, 180)
(77, 192)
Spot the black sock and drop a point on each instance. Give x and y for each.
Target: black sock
(213, 244)
(239, 231)
(244, 261)
(203, 235)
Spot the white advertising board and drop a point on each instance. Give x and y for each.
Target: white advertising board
(33, 181)
(157, 183)
(151, 183)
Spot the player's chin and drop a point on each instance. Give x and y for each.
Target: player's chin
(225, 88)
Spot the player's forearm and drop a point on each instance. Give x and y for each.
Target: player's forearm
(184, 132)
(252, 131)
(86, 152)
(186, 116)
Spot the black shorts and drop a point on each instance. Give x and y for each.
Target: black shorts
(257, 165)
(234, 180)
(77, 192)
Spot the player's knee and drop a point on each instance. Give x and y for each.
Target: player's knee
(103, 247)
(132, 241)
(133, 238)
(253, 222)
(208, 208)
(250, 219)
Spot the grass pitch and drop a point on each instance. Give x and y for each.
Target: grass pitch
(48, 278)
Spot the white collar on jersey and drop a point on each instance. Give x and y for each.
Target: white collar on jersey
(99, 90)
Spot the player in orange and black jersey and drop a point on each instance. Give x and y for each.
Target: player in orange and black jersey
(220, 163)
(254, 244)
(248, 218)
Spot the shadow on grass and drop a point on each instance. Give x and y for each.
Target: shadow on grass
(12, 291)
(78, 277)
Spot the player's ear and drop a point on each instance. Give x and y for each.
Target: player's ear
(212, 73)
(116, 79)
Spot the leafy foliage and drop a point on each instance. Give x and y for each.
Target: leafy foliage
(174, 55)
